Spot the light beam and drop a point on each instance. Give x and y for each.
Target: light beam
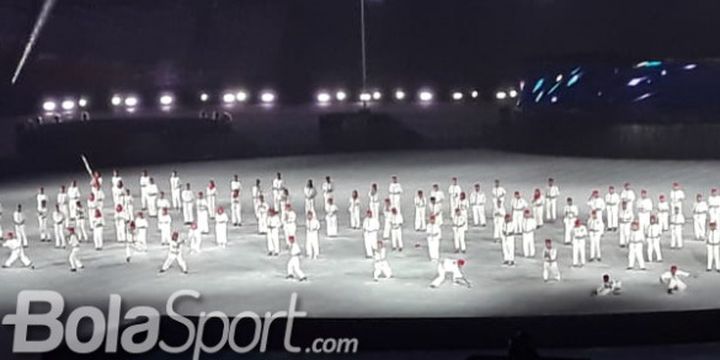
(39, 23)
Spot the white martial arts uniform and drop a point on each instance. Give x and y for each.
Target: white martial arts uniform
(713, 202)
(175, 191)
(371, 226)
(550, 265)
(439, 196)
(73, 195)
(628, 195)
(162, 203)
(80, 223)
(394, 193)
(454, 191)
(310, 194)
(579, 235)
(626, 217)
(42, 214)
(509, 230)
(62, 201)
(331, 220)
(460, 227)
(175, 255)
(221, 225)
(98, 225)
(236, 208)
(144, 182)
(713, 249)
(277, 189)
(380, 264)
(289, 220)
(211, 198)
(596, 228)
(596, 204)
(635, 255)
(19, 224)
(434, 235)
(396, 235)
(674, 282)
(188, 200)
(644, 208)
(17, 252)
(528, 227)
(676, 199)
(663, 215)
(570, 214)
(59, 227)
(498, 193)
(436, 210)
(141, 229)
(449, 267)
(653, 233)
(203, 221)
(538, 207)
(551, 195)
(194, 237)
(2, 234)
(354, 210)
(273, 234)
(121, 222)
(374, 203)
(261, 212)
(612, 287)
(327, 188)
(312, 242)
(498, 221)
(477, 204)
(151, 194)
(165, 226)
(700, 210)
(420, 213)
(73, 260)
(117, 194)
(256, 193)
(518, 206)
(677, 222)
(293, 265)
(612, 209)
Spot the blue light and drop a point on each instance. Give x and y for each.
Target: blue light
(575, 71)
(539, 96)
(649, 63)
(552, 90)
(574, 79)
(538, 85)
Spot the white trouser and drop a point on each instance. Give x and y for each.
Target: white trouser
(653, 247)
(331, 225)
(152, 205)
(396, 236)
(59, 235)
(517, 218)
(42, 224)
(175, 198)
(644, 220)
(528, 243)
(676, 284)
(98, 237)
(459, 239)
(578, 250)
(538, 215)
(551, 208)
(375, 209)
(165, 234)
(293, 267)
(120, 230)
(497, 227)
(236, 213)
(382, 268)
(312, 247)
(221, 235)
(141, 241)
(82, 232)
(73, 259)
(699, 221)
(289, 230)
(355, 218)
(550, 268)
(624, 233)
(664, 221)
(202, 221)
(676, 237)
(18, 254)
(262, 224)
(713, 256)
(273, 241)
(395, 201)
(433, 248)
(187, 210)
(386, 227)
(211, 206)
(713, 213)
(612, 216)
(72, 208)
(172, 258)
(508, 247)
(196, 243)
(369, 243)
(309, 206)
(20, 234)
(595, 252)
(420, 224)
(569, 225)
(479, 215)
(636, 255)
(442, 275)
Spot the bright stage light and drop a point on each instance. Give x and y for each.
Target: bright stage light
(399, 95)
(365, 96)
(323, 98)
(340, 95)
(204, 97)
(426, 95)
(49, 106)
(267, 97)
(116, 100)
(82, 102)
(166, 100)
(474, 94)
(68, 105)
(457, 96)
(376, 95)
(131, 101)
(559, 78)
(501, 95)
(228, 98)
(513, 93)
(242, 96)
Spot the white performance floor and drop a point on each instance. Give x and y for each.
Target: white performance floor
(242, 277)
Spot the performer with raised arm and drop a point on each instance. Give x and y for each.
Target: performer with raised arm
(175, 254)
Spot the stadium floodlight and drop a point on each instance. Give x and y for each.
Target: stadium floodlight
(242, 96)
(82, 102)
(399, 95)
(501, 95)
(323, 97)
(166, 100)
(228, 98)
(457, 96)
(49, 105)
(116, 100)
(376, 95)
(341, 95)
(131, 101)
(204, 97)
(68, 105)
(426, 95)
(267, 97)
(474, 94)
(365, 96)
(513, 93)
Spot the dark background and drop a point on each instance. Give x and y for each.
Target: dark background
(298, 46)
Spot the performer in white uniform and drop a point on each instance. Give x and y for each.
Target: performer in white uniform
(653, 233)
(677, 222)
(663, 213)
(80, 218)
(121, 221)
(141, 229)
(637, 239)
(460, 226)
(596, 228)
(221, 224)
(509, 230)
(608, 287)
(626, 217)
(498, 193)
(211, 197)
(528, 227)
(98, 224)
(273, 232)
(371, 226)
(420, 211)
(62, 202)
(293, 265)
(331, 217)
(454, 191)
(354, 210)
(550, 265)
(538, 207)
(713, 248)
(700, 210)
(612, 208)
(551, 195)
(312, 236)
(596, 203)
(570, 215)
(628, 195)
(677, 196)
(386, 211)
(73, 196)
(396, 235)
(59, 227)
(202, 213)
(257, 193)
(374, 200)
(188, 201)
(162, 203)
(17, 252)
(477, 203)
(453, 268)
(395, 191)
(310, 194)
(175, 190)
(261, 211)
(144, 182)
(74, 243)
(289, 220)
(644, 208)
(327, 188)
(439, 196)
(19, 224)
(42, 214)
(236, 208)
(499, 214)
(380, 263)
(434, 235)
(518, 206)
(713, 205)
(175, 254)
(277, 188)
(165, 226)
(194, 237)
(579, 236)
(672, 280)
